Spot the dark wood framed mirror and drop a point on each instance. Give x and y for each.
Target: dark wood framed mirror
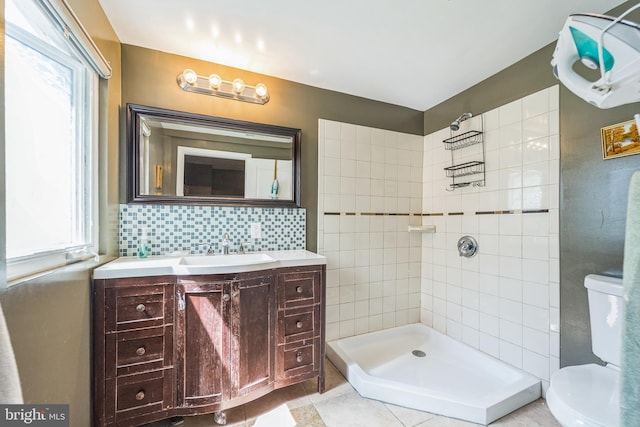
(175, 157)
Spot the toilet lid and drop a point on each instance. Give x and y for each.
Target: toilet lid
(589, 393)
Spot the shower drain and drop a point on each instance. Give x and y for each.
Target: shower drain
(419, 353)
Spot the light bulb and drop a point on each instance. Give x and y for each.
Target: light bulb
(190, 76)
(238, 86)
(215, 81)
(261, 90)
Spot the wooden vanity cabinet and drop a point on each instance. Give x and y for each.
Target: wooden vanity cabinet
(225, 338)
(299, 330)
(187, 345)
(133, 350)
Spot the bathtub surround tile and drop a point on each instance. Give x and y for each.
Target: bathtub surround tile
(511, 353)
(536, 317)
(517, 231)
(536, 341)
(511, 332)
(188, 228)
(536, 364)
(536, 104)
(489, 344)
(499, 300)
(471, 336)
(510, 113)
(380, 188)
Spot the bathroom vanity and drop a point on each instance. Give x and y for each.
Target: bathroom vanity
(196, 335)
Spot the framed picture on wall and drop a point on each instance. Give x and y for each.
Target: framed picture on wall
(620, 140)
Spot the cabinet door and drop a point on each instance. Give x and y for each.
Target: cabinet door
(252, 342)
(203, 343)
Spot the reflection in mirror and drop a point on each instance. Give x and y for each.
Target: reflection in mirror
(180, 157)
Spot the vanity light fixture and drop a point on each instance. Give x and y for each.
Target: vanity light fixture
(214, 85)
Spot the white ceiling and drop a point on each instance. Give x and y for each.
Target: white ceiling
(414, 53)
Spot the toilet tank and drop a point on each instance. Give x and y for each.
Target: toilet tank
(605, 315)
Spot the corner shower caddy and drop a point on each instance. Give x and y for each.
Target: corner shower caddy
(474, 170)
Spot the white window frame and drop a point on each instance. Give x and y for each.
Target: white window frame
(86, 83)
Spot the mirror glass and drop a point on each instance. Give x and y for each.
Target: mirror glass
(186, 158)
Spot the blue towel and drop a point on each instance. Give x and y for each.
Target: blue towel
(630, 384)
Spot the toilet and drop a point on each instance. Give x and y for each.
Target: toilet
(589, 395)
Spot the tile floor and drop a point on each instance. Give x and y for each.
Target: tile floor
(341, 406)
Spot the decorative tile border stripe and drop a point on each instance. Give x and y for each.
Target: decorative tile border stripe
(498, 212)
(371, 213)
(188, 228)
(506, 212)
(536, 211)
(517, 211)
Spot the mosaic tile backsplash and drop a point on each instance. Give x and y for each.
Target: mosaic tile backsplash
(189, 229)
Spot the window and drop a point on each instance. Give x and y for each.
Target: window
(51, 138)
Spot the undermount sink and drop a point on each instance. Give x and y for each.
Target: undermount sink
(226, 260)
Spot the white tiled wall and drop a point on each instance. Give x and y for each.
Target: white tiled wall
(370, 187)
(505, 300)
(373, 183)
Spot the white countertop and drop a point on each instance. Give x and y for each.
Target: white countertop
(198, 264)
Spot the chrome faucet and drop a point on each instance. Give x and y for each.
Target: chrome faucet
(225, 244)
(208, 247)
(242, 249)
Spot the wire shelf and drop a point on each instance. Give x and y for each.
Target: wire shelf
(478, 183)
(464, 169)
(463, 140)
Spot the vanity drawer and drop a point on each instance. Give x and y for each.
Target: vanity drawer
(141, 306)
(298, 324)
(299, 288)
(136, 308)
(139, 393)
(139, 350)
(298, 359)
(142, 393)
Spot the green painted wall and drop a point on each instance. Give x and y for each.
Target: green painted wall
(149, 78)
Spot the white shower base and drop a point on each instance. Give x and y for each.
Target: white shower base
(453, 379)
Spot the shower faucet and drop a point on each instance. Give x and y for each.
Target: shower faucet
(455, 125)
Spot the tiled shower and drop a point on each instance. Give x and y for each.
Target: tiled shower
(370, 190)
(505, 300)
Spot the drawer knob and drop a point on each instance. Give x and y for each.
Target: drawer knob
(226, 297)
(140, 395)
(299, 289)
(298, 324)
(140, 308)
(299, 357)
(141, 351)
